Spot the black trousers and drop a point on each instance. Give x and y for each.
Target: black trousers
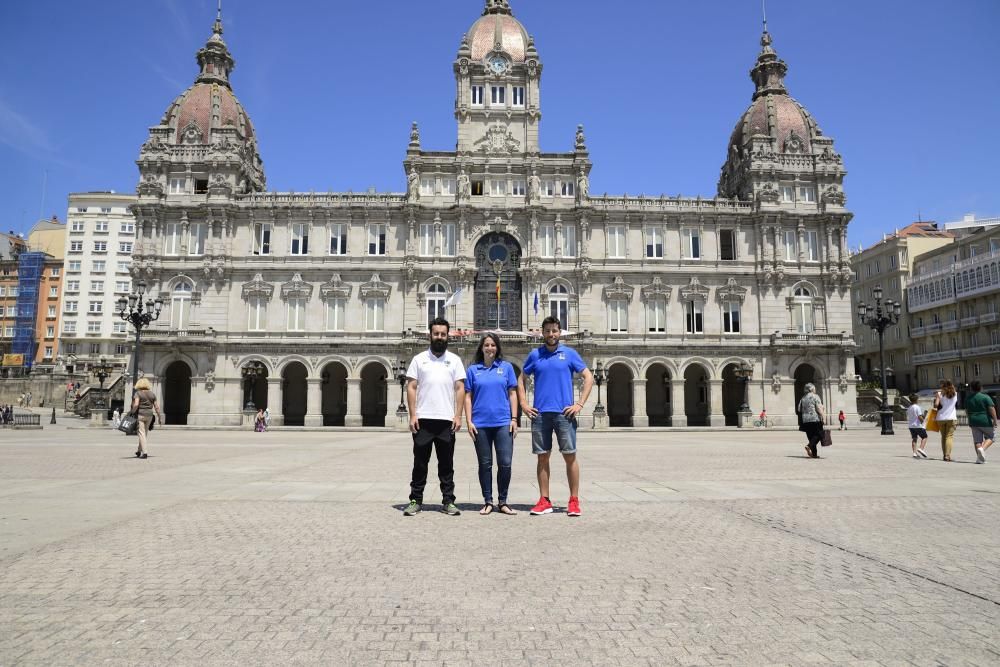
(436, 434)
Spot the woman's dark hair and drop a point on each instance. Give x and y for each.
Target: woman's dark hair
(479, 350)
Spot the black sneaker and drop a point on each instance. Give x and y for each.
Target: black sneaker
(144, 456)
(412, 509)
(450, 509)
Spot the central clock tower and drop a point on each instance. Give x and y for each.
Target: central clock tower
(497, 75)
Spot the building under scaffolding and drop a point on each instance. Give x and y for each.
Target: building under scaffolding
(29, 277)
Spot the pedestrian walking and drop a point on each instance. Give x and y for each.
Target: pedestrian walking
(915, 422)
(145, 407)
(435, 393)
(842, 418)
(491, 417)
(554, 410)
(116, 419)
(811, 410)
(982, 413)
(946, 403)
(259, 423)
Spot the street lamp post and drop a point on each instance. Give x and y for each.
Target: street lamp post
(140, 315)
(744, 372)
(251, 373)
(102, 371)
(880, 317)
(401, 379)
(599, 378)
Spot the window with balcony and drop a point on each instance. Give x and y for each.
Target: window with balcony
(51, 312)
(180, 306)
(178, 186)
(437, 296)
(802, 311)
(498, 187)
(559, 304)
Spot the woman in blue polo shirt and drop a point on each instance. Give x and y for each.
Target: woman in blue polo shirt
(491, 415)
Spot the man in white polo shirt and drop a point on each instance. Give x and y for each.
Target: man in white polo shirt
(435, 394)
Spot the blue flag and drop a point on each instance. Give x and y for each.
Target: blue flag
(536, 303)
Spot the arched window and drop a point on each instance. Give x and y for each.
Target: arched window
(802, 311)
(979, 277)
(437, 296)
(180, 306)
(559, 304)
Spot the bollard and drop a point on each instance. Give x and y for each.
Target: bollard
(53, 420)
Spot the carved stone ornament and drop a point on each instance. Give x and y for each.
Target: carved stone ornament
(498, 140)
(258, 288)
(335, 288)
(618, 290)
(834, 195)
(844, 384)
(210, 380)
(694, 291)
(414, 135)
(375, 288)
(657, 290)
(794, 143)
(296, 288)
(768, 193)
(192, 134)
(150, 186)
(776, 383)
(731, 291)
(581, 139)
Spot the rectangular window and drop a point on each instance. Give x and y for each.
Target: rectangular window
(727, 245)
(53, 291)
(618, 313)
(477, 96)
(376, 239)
(48, 351)
(96, 307)
(94, 326)
(691, 238)
(498, 187)
(55, 272)
(374, 315)
(51, 312)
(72, 306)
(99, 266)
(258, 315)
(427, 185)
(296, 314)
(517, 96)
(338, 239)
(546, 241)
(568, 189)
(548, 188)
(616, 241)
(498, 95)
(731, 317)
(654, 243)
(121, 348)
(172, 239)
(426, 248)
(127, 228)
(122, 267)
(105, 209)
(517, 188)
(300, 239)
(812, 246)
(96, 285)
(76, 246)
(122, 286)
(76, 226)
(787, 193)
(976, 370)
(197, 238)
(791, 241)
(694, 317)
(807, 193)
(50, 332)
(448, 186)
(477, 188)
(569, 240)
(656, 316)
(262, 238)
(74, 265)
(101, 226)
(892, 261)
(449, 245)
(178, 186)
(69, 327)
(335, 312)
(119, 328)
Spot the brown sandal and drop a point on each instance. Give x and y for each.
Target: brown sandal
(487, 509)
(504, 508)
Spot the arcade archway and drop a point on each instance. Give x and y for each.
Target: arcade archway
(658, 406)
(334, 394)
(374, 394)
(619, 395)
(294, 395)
(696, 398)
(177, 393)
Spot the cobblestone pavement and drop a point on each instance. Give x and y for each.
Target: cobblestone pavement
(697, 548)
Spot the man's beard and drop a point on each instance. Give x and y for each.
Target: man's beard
(439, 346)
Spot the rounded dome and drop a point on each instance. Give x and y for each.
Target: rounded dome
(202, 108)
(503, 29)
(780, 117)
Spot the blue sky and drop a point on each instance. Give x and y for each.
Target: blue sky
(907, 88)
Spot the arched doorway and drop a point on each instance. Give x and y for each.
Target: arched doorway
(658, 406)
(254, 386)
(177, 393)
(334, 389)
(498, 258)
(294, 396)
(696, 399)
(805, 374)
(732, 395)
(619, 395)
(374, 394)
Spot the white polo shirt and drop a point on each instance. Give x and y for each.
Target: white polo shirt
(436, 378)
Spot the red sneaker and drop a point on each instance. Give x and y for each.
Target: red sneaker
(573, 507)
(543, 506)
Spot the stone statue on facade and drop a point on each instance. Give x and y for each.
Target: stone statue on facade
(413, 185)
(464, 187)
(582, 187)
(534, 187)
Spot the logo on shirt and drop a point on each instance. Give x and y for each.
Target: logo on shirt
(499, 371)
(562, 356)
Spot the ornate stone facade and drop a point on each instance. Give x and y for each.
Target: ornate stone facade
(309, 302)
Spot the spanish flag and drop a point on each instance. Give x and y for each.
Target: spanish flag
(498, 289)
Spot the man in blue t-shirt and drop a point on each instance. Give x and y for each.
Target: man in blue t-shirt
(555, 409)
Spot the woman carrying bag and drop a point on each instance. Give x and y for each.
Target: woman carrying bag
(810, 411)
(946, 416)
(144, 406)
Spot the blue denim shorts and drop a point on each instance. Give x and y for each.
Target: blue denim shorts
(542, 427)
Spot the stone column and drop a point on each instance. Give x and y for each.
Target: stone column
(639, 416)
(678, 417)
(274, 401)
(314, 402)
(353, 417)
(715, 415)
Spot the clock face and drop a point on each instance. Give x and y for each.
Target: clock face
(497, 64)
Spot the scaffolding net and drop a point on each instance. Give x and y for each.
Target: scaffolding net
(29, 279)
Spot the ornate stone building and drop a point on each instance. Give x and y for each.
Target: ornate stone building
(308, 302)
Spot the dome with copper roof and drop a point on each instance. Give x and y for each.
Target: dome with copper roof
(498, 30)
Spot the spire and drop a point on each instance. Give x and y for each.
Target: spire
(497, 7)
(769, 72)
(214, 58)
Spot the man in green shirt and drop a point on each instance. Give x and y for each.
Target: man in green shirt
(982, 414)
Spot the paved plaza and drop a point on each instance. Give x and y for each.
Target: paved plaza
(695, 548)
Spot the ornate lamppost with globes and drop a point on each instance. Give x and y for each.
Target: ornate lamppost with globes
(744, 372)
(102, 371)
(141, 315)
(880, 317)
(599, 377)
(251, 373)
(401, 379)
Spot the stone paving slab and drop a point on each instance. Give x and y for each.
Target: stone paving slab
(230, 548)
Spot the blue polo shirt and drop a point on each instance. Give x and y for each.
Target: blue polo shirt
(553, 373)
(489, 386)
